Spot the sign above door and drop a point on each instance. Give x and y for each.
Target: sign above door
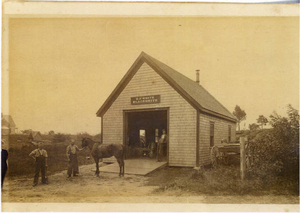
(149, 99)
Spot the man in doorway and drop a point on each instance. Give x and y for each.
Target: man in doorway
(40, 156)
(72, 158)
(161, 143)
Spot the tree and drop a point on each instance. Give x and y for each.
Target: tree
(59, 138)
(51, 132)
(239, 114)
(253, 126)
(97, 137)
(26, 131)
(262, 120)
(81, 135)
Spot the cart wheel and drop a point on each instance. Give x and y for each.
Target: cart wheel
(214, 156)
(223, 158)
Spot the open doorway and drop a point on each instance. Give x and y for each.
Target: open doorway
(142, 132)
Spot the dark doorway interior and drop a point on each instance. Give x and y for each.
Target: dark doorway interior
(142, 129)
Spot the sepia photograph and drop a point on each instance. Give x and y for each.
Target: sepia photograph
(149, 106)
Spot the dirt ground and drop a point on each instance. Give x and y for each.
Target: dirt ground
(110, 188)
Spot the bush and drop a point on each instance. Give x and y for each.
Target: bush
(275, 154)
(58, 138)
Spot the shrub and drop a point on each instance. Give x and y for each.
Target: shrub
(60, 138)
(275, 154)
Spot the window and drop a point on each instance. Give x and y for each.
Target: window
(229, 133)
(212, 132)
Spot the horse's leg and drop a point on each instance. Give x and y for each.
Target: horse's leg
(123, 166)
(97, 166)
(123, 162)
(120, 166)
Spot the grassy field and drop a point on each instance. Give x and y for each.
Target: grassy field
(224, 180)
(19, 163)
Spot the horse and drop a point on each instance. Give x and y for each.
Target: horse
(100, 151)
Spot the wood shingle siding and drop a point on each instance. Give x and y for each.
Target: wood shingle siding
(182, 116)
(220, 132)
(190, 110)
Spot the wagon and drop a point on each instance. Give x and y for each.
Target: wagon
(220, 154)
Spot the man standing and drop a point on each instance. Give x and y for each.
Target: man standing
(40, 156)
(72, 158)
(162, 141)
(4, 156)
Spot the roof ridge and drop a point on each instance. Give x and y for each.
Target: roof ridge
(155, 60)
(9, 119)
(187, 78)
(194, 93)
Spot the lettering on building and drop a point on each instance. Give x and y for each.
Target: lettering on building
(150, 99)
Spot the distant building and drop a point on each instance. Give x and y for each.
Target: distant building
(5, 132)
(8, 122)
(35, 136)
(51, 132)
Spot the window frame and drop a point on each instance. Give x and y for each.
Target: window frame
(229, 133)
(211, 134)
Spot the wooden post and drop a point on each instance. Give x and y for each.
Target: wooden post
(242, 158)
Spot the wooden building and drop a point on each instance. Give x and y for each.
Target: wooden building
(7, 121)
(152, 96)
(35, 136)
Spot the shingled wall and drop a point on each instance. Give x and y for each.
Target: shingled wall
(220, 132)
(182, 116)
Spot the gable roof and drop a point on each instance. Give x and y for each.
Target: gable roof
(9, 120)
(194, 93)
(35, 133)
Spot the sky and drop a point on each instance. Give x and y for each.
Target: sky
(61, 70)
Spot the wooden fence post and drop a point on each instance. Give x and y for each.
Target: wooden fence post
(242, 158)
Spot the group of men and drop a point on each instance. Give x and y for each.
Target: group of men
(40, 156)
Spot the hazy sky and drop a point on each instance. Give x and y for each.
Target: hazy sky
(62, 70)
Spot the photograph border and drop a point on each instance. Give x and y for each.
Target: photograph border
(12, 9)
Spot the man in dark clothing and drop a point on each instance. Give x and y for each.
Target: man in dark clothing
(161, 143)
(40, 156)
(4, 156)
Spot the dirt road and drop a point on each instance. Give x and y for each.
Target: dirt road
(109, 188)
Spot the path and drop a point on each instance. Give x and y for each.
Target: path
(109, 188)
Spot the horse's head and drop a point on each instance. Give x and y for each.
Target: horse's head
(84, 143)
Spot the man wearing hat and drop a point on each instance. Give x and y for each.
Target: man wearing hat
(72, 158)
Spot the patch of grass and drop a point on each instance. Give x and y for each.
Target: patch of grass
(19, 163)
(224, 180)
